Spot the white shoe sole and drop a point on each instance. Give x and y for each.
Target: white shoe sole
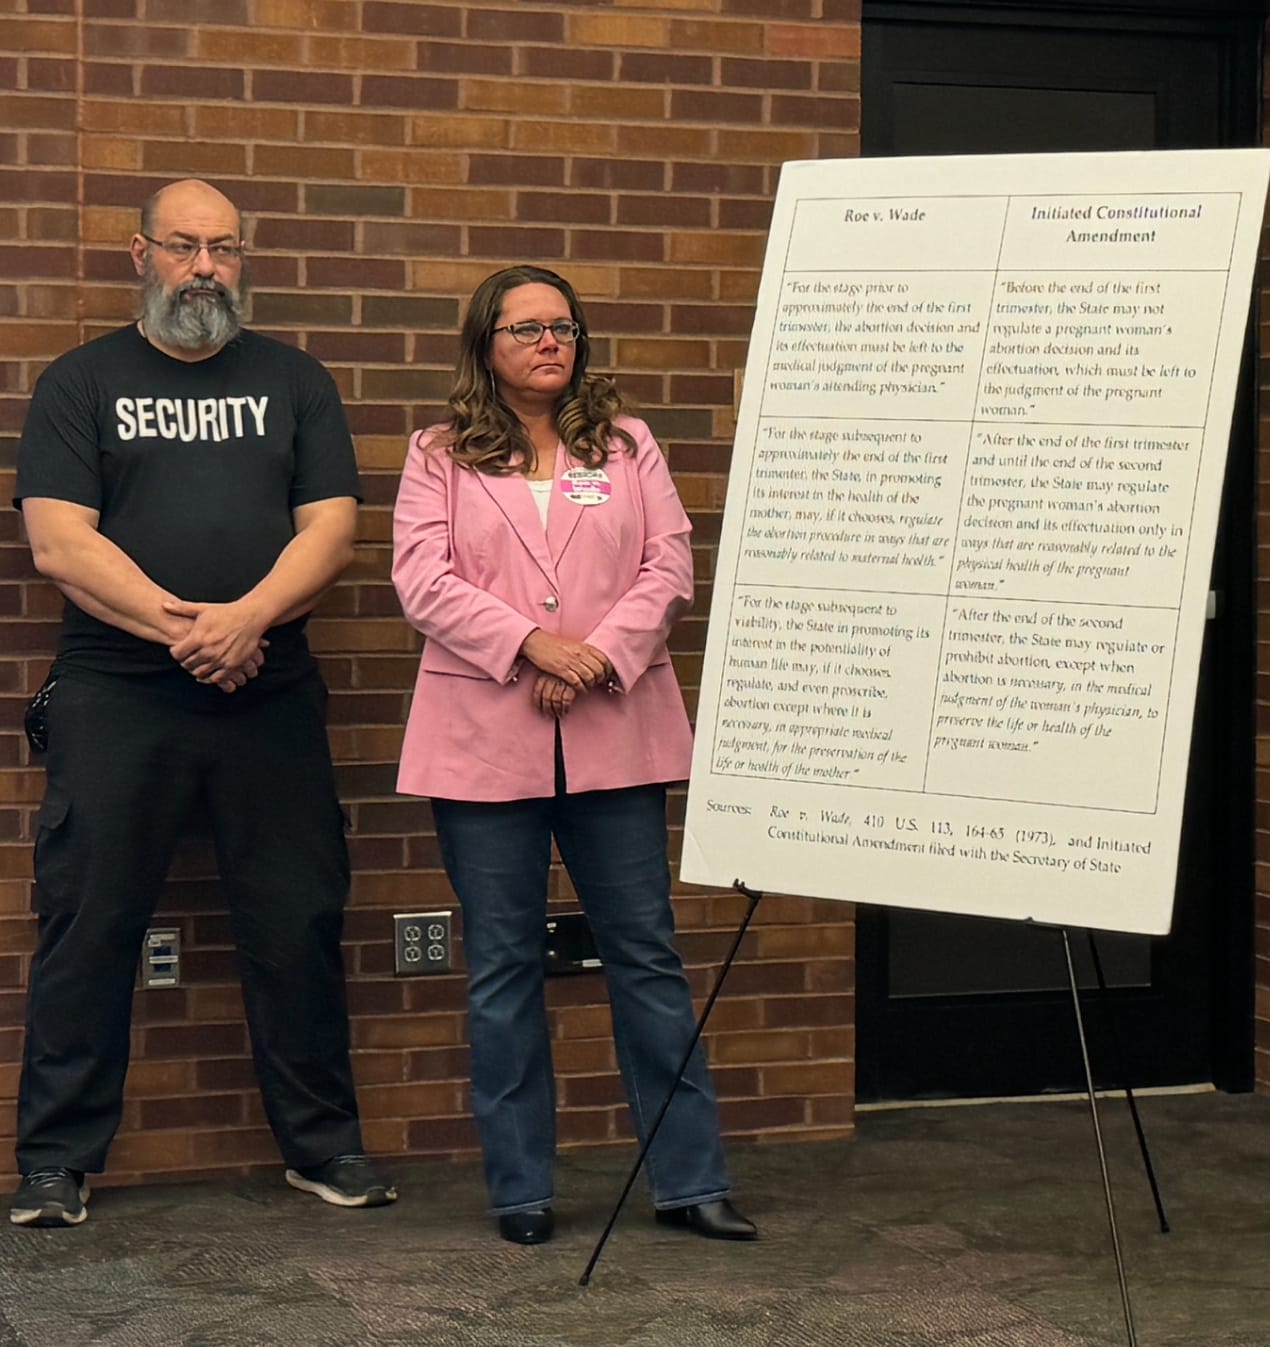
(376, 1197)
(51, 1214)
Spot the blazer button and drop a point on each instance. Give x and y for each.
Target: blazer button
(551, 603)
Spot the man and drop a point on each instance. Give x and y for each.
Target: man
(191, 489)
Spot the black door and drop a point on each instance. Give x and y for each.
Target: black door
(963, 1006)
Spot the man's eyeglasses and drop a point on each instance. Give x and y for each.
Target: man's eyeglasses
(186, 250)
(529, 333)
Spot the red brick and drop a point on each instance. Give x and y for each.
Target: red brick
(555, 207)
(250, 48)
(759, 1115)
(505, 242)
(744, 214)
(356, 273)
(301, 15)
(49, 75)
(107, 39)
(776, 9)
(516, 170)
(752, 73)
(249, 123)
(814, 41)
(50, 147)
(356, 128)
(838, 77)
(203, 1110)
(715, 105)
(616, 245)
(567, 63)
(301, 86)
(329, 199)
(212, 159)
(419, 20)
(301, 235)
(357, 347)
(622, 174)
(24, 34)
(840, 114)
(624, 317)
(711, 318)
(410, 239)
(31, 110)
(221, 12)
(464, 59)
(49, 224)
(172, 81)
(410, 92)
(510, 25)
(194, 1040)
(664, 210)
(662, 68)
(303, 161)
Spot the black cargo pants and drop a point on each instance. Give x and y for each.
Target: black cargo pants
(126, 761)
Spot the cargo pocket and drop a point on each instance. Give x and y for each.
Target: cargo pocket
(54, 871)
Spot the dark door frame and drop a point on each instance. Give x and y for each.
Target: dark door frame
(1238, 26)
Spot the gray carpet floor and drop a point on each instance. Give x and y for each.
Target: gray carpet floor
(975, 1226)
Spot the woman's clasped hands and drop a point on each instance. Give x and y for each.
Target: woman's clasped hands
(566, 667)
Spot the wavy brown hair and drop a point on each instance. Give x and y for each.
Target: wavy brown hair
(483, 432)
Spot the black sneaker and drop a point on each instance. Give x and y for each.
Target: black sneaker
(345, 1181)
(50, 1197)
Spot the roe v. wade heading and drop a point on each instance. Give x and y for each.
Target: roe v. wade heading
(964, 568)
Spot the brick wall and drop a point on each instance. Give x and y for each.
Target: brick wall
(391, 154)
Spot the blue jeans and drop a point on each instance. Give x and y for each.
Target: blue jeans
(613, 844)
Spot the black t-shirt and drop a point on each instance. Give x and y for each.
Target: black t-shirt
(194, 468)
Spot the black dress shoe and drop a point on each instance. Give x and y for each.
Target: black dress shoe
(527, 1227)
(715, 1220)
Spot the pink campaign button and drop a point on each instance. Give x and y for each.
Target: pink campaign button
(586, 486)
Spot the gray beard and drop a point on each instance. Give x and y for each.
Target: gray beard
(191, 325)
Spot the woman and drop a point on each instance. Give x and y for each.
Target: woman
(540, 547)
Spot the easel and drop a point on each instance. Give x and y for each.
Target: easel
(754, 897)
(1093, 1111)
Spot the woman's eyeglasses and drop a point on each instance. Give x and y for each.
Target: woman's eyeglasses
(529, 333)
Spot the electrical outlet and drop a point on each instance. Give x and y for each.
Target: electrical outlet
(422, 943)
(161, 957)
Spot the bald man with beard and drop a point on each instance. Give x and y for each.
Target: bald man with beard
(191, 488)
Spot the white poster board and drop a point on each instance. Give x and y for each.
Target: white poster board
(964, 567)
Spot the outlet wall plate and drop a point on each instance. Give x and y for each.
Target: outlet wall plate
(161, 957)
(422, 943)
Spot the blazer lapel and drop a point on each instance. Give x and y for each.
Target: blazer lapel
(564, 514)
(513, 497)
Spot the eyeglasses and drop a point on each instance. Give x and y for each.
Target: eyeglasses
(186, 250)
(529, 333)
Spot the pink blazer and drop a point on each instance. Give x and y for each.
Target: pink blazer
(476, 573)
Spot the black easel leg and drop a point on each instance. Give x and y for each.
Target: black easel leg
(1102, 1154)
(1128, 1091)
(754, 897)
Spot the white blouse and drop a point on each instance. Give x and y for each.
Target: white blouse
(542, 497)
